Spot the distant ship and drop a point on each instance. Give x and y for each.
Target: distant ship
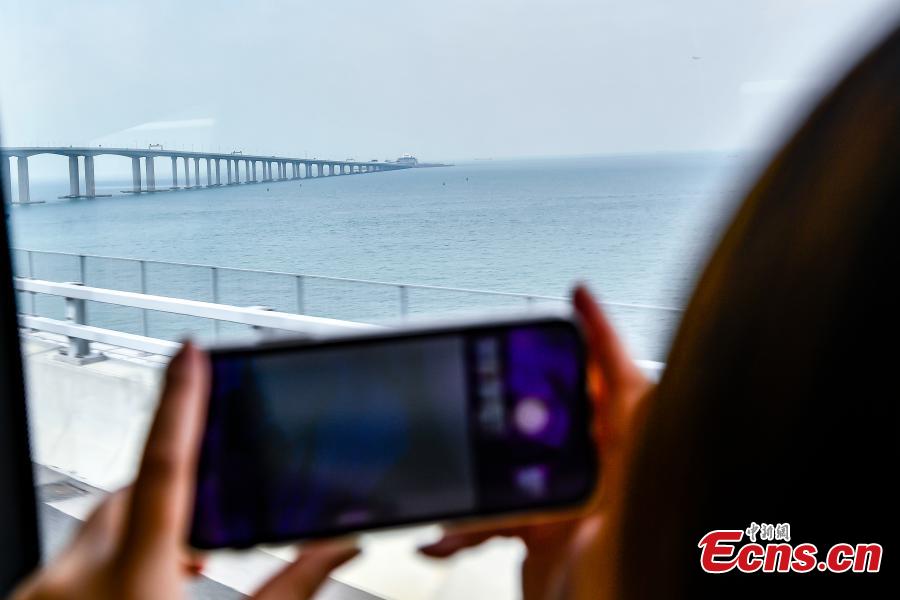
(408, 160)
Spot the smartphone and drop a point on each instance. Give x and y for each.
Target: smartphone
(317, 439)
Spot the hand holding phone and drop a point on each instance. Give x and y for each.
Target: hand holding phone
(575, 556)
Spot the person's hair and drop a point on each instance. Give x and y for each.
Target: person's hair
(777, 404)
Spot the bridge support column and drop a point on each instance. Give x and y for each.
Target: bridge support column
(208, 172)
(307, 169)
(187, 171)
(151, 176)
(228, 167)
(90, 187)
(197, 172)
(4, 177)
(24, 188)
(247, 174)
(74, 184)
(254, 170)
(136, 175)
(218, 164)
(174, 172)
(237, 171)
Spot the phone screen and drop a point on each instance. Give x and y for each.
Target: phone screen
(317, 440)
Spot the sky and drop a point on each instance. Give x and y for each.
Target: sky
(439, 79)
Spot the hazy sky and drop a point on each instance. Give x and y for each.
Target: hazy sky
(440, 79)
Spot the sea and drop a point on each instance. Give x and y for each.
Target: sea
(636, 228)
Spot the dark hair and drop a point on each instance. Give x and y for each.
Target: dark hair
(777, 404)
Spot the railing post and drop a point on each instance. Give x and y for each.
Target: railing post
(300, 303)
(78, 351)
(31, 276)
(142, 265)
(82, 269)
(214, 282)
(32, 296)
(404, 301)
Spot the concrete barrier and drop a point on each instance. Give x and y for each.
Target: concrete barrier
(89, 421)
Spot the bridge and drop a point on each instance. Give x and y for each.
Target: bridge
(256, 168)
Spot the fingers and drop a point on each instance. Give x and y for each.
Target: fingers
(99, 536)
(615, 382)
(452, 543)
(302, 578)
(609, 352)
(163, 492)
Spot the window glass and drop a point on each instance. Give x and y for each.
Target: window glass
(370, 162)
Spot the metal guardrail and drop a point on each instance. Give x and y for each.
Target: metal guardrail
(77, 294)
(301, 280)
(86, 333)
(80, 334)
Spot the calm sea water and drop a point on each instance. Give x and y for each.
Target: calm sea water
(636, 228)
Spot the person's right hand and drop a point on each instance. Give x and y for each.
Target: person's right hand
(574, 558)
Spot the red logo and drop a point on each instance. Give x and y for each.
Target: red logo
(721, 551)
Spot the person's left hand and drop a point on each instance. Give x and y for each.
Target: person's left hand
(133, 545)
